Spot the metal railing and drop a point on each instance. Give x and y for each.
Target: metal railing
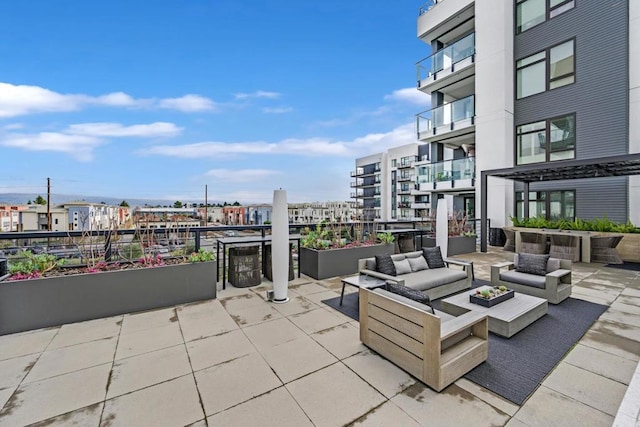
(448, 170)
(446, 57)
(426, 6)
(427, 121)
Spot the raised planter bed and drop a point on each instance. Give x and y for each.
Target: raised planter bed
(323, 264)
(490, 302)
(457, 245)
(52, 301)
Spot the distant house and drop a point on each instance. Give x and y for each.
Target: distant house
(10, 217)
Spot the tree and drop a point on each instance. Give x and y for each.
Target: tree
(236, 203)
(177, 204)
(124, 204)
(40, 201)
(28, 202)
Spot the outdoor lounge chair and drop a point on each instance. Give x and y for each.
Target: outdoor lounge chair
(603, 249)
(533, 243)
(435, 348)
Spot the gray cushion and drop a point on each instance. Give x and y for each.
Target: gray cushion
(433, 257)
(384, 264)
(553, 264)
(532, 264)
(370, 264)
(432, 278)
(418, 264)
(402, 267)
(526, 279)
(415, 254)
(412, 294)
(398, 257)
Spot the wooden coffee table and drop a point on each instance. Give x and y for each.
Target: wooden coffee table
(506, 318)
(361, 281)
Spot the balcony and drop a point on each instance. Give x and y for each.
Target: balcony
(404, 205)
(357, 195)
(419, 205)
(445, 19)
(455, 175)
(448, 65)
(360, 172)
(402, 178)
(405, 163)
(404, 191)
(450, 123)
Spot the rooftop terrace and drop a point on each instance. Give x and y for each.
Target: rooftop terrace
(240, 360)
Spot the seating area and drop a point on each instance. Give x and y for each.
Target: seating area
(537, 275)
(223, 361)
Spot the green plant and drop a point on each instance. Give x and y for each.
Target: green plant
(201, 256)
(385, 237)
(40, 263)
(315, 239)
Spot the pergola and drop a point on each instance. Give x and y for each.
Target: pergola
(602, 167)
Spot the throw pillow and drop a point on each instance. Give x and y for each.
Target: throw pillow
(384, 264)
(370, 264)
(418, 264)
(553, 264)
(532, 264)
(412, 294)
(433, 257)
(402, 267)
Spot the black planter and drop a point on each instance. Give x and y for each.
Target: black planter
(323, 264)
(52, 301)
(491, 301)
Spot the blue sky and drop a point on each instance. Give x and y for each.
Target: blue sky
(155, 99)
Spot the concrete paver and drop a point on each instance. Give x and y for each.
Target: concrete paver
(171, 403)
(228, 358)
(334, 396)
(217, 349)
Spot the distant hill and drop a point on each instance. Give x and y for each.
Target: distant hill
(57, 199)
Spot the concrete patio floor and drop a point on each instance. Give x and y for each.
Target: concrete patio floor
(239, 360)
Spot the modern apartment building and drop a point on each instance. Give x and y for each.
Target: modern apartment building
(518, 83)
(315, 212)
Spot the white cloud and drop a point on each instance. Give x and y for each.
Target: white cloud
(19, 100)
(277, 110)
(188, 103)
(157, 129)
(13, 126)
(78, 146)
(366, 144)
(241, 175)
(257, 94)
(410, 95)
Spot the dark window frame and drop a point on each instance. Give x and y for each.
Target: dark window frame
(545, 195)
(548, 11)
(547, 138)
(547, 68)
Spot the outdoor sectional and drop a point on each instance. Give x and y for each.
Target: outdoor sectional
(551, 281)
(434, 282)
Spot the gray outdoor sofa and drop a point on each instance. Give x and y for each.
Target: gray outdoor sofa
(551, 279)
(434, 282)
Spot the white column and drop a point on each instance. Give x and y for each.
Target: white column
(442, 228)
(280, 247)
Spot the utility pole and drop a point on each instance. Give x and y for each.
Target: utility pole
(49, 204)
(206, 215)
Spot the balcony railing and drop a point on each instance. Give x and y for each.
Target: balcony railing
(446, 57)
(445, 115)
(448, 170)
(426, 6)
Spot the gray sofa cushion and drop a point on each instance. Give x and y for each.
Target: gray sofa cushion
(526, 279)
(370, 264)
(412, 294)
(384, 264)
(433, 257)
(402, 267)
(444, 317)
(553, 264)
(532, 264)
(432, 278)
(418, 263)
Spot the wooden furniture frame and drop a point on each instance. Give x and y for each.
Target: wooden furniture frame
(435, 351)
(557, 286)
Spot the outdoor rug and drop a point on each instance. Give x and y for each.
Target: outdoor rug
(516, 366)
(634, 266)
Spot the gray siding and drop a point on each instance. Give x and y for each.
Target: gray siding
(595, 198)
(599, 97)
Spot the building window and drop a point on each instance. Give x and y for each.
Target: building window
(546, 141)
(530, 13)
(551, 205)
(394, 163)
(531, 72)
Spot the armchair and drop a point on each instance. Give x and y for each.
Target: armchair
(435, 348)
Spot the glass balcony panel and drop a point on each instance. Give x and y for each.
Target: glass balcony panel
(444, 115)
(447, 57)
(448, 170)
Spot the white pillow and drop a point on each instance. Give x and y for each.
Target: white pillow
(418, 263)
(402, 267)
